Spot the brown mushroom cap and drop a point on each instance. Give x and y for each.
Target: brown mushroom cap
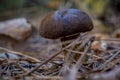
(65, 22)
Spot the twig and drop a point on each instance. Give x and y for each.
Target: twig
(18, 53)
(89, 54)
(108, 61)
(81, 59)
(112, 64)
(20, 67)
(59, 52)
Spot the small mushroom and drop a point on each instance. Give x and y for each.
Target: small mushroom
(65, 24)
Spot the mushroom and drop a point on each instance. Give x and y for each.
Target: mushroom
(65, 24)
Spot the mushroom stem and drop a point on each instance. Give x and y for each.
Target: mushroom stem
(69, 39)
(67, 61)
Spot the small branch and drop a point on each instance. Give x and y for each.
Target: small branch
(59, 52)
(18, 53)
(89, 54)
(108, 61)
(81, 59)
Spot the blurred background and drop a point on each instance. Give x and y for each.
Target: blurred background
(104, 13)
